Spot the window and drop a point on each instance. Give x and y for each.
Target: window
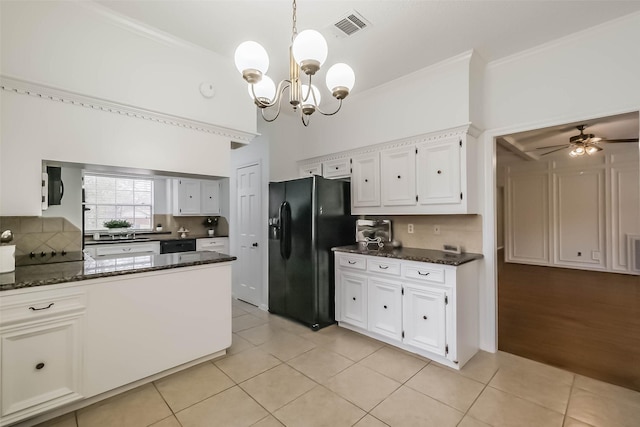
(117, 197)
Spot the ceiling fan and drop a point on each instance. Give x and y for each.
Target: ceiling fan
(584, 143)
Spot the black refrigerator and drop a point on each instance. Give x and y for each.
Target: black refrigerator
(307, 217)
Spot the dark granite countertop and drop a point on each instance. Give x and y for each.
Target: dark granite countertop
(147, 237)
(73, 271)
(413, 254)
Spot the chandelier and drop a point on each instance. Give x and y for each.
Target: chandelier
(307, 53)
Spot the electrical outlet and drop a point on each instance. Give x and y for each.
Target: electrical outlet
(436, 229)
(410, 229)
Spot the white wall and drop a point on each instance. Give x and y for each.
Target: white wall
(588, 74)
(77, 47)
(84, 48)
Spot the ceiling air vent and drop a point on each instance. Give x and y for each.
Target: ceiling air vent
(349, 24)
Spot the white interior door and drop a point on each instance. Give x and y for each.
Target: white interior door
(248, 287)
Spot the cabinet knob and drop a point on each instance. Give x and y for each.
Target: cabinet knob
(439, 172)
(366, 180)
(354, 298)
(385, 306)
(398, 176)
(40, 365)
(424, 317)
(255, 244)
(336, 167)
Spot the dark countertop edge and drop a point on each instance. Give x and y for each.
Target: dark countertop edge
(433, 256)
(83, 277)
(148, 238)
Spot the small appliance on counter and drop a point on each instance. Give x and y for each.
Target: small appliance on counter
(373, 232)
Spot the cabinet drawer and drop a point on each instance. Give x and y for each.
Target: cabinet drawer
(339, 168)
(34, 306)
(137, 248)
(383, 266)
(353, 262)
(424, 272)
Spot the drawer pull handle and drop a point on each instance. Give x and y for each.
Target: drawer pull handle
(40, 366)
(424, 317)
(126, 249)
(439, 172)
(41, 308)
(352, 262)
(354, 298)
(385, 307)
(423, 274)
(383, 267)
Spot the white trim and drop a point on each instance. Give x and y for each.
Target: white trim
(24, 87)
(403, 142)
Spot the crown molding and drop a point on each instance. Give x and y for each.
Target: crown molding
(461, 130)
(24, 87)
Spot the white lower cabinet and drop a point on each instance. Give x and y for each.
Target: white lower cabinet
(41, 353)
(385, 307)
(424, 319)
(353, 294)
(425, 308)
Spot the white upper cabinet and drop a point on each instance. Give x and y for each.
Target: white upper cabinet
(186, 197)
(439, 172)
(365, 181)
(310, 170)
(398, 176)
(210, 197)
(196, 197)
(339, 168)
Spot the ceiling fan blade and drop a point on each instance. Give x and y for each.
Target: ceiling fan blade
(553, 151)
(620, 140)
(551, 146)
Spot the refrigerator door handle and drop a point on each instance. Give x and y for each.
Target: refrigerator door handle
(285, 230)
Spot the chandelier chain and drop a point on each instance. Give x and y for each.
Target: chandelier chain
(294, 29)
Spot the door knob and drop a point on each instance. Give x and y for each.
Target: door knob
(255, 244)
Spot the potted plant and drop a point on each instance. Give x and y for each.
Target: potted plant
(117, 225)
(210, 222)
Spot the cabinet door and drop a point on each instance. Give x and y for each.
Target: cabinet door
(579, 218)
(41, 366)
(354, 299)
(424, 318)
(527, 218)
(210, 197)
(188, 197)
(385, 308)
(398, 176)
(438, 170)
(310, 170)
(365, 181)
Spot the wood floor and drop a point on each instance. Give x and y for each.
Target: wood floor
(586, 322)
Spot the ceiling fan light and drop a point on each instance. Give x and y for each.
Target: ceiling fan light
(251, 56)
(340, 80)
(265, 90)
(579, 150)
(591, 150)
(310, 51)
(573, 153)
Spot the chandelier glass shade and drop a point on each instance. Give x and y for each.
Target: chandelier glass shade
(307, 53)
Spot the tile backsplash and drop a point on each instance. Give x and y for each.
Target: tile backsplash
(192, 223)
(463, 230)
(40, 235)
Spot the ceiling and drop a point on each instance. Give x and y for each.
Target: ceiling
(525, 145)
(403, 36)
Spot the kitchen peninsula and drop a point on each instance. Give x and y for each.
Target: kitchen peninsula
(77, 332)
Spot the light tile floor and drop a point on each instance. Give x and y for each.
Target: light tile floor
(278, 372)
